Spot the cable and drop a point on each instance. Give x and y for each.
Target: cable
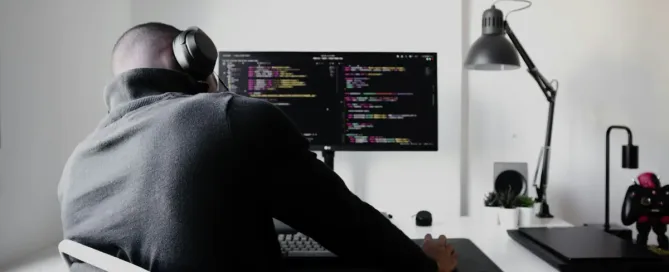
(221, 81)
(528, 2)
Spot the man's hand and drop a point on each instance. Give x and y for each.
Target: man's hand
(441, 252)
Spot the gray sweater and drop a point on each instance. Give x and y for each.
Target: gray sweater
(173, 179)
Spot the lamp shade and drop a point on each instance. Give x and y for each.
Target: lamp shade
(630, 156)
(492, 51)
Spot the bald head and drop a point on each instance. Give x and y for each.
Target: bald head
(147, 45)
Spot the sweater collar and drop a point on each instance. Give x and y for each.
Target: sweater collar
(138, 83)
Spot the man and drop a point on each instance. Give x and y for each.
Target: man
(179, 178)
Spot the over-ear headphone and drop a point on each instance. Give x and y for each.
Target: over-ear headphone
(195, 52)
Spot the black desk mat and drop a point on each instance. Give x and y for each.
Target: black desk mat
(471, 259)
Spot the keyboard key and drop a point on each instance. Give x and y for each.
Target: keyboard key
(300, 245)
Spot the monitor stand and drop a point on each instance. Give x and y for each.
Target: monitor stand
(328, 158)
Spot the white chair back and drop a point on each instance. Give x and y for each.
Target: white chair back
(95, 258)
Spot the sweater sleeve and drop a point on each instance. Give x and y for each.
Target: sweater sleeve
(310, 197)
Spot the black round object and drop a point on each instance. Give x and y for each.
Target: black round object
(423, 219)
(510, 179)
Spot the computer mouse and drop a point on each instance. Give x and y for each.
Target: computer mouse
(423, 219)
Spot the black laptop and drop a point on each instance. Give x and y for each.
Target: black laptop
(586, 248)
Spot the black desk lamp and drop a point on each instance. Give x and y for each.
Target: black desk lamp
(492, 51)
(630, 160)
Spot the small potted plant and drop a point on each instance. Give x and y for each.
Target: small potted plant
(525, 206)
(491, 208)
(508, 214)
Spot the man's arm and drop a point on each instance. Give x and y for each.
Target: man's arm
(305, 194)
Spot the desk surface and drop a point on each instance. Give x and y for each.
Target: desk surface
(492, 240)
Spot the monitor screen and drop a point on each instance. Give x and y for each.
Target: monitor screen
(345, 101)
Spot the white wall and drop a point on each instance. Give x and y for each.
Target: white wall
(402, 183)
(610, 58)
(53, 67)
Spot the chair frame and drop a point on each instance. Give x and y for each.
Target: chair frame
(95, 258)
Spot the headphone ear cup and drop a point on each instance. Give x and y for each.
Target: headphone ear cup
(196, 53)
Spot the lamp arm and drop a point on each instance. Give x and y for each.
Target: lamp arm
(628, 130)
(545, 85)
(607, 184)
(550, 92)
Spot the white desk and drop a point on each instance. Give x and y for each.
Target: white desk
(492, 240)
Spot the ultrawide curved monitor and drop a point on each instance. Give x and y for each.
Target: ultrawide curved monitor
(351, 101)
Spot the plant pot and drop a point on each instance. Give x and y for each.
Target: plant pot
(491, 216)
(526, 216)
(508, 218)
